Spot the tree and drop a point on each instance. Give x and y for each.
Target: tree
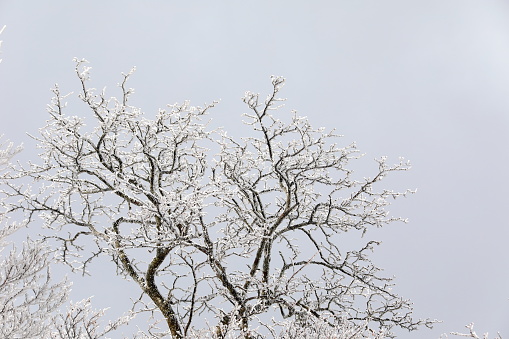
(27, 295)
(238, 236)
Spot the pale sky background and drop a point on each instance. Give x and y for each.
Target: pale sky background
(423, 79)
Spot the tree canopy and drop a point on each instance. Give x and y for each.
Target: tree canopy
(235, 236)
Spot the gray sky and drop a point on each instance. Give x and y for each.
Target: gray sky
(423, 79)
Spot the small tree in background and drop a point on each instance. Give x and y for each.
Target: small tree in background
(27, 295)
(231, 236)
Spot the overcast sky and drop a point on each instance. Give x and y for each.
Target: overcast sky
(423, 79)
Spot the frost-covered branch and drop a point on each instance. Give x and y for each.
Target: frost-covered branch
(81, 321)
(1, 31)
(471, 333)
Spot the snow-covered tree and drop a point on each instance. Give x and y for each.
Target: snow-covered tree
(238, 237)
(28, 298)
